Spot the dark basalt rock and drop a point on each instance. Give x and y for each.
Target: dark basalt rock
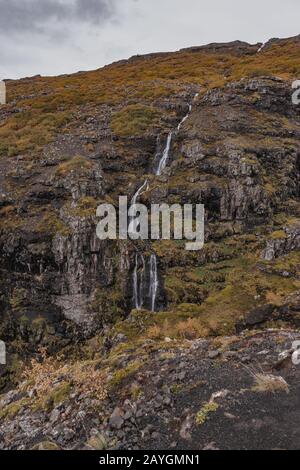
(256, 317)
(238, 153)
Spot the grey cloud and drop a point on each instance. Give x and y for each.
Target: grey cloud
(52, 37)
(17, 16)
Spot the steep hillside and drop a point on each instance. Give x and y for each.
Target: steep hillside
(69, 143)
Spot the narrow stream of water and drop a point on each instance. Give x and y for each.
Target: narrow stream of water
(139, 272)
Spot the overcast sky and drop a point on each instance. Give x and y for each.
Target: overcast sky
(51, 37)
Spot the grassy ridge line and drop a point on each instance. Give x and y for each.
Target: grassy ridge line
(46, 104)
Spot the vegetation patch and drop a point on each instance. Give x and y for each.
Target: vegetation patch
(53, 379)
(204, 414)
(86, 207)
(128, 371)
(52, 224)
(75, 164)
(135, 120)
(266, 383)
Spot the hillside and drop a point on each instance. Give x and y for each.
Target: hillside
(86, 367)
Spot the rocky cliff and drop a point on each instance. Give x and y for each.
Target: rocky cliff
(69, 143)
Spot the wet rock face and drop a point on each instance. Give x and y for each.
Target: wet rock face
(237, 153)
(147, 284)
(237, 142)
(288, 241)
(64, 276)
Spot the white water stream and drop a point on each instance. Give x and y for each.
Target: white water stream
(153, 283)
(139, 273)
(138, 281)
(165, 156)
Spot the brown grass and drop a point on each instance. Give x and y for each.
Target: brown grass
(44, 373)
(265, 383)
(48, 104)
(74, 164)
(189, 329)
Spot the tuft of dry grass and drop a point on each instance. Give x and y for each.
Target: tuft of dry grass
(189, 329)
(45, 373)
(155, 332)
(186, 329)
(266, 383)
(75, 164)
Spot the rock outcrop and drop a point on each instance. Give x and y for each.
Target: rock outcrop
(68, 144)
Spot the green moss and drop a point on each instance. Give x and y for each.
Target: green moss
(75, 164)
(38, 323)
(52, 224)
(30, 130)
(136, 392)
(186, 388)
(278, 235)
(108, 304)
(46, 445)
(135, 120)
(11, 410)
(177, 388)
(60, 394)
(18, 298)
(56, 396)
(203, 415)
(122, 374)
(97, 442)
(289, 263)
(181, 287)
(86, 207)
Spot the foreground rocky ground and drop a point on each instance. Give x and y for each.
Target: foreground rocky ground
(239, 392)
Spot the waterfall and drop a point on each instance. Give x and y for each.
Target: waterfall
(139, 192)
(138, 281)
(262, 47)
(165, 156)
(185, 118)
(144, 272)
(133, 226)
(135, 284)
(147, 271)
(164, 159)
(153, 281)
(187, 115)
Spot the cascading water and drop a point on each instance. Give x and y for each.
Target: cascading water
(145, 273)
(164, 159)
(138, 281)
(185, 118)
(139, 192)
(133, 223)
(135, 284)
(262, 47)
(153, 285)
(165, 156)
(140, 272)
